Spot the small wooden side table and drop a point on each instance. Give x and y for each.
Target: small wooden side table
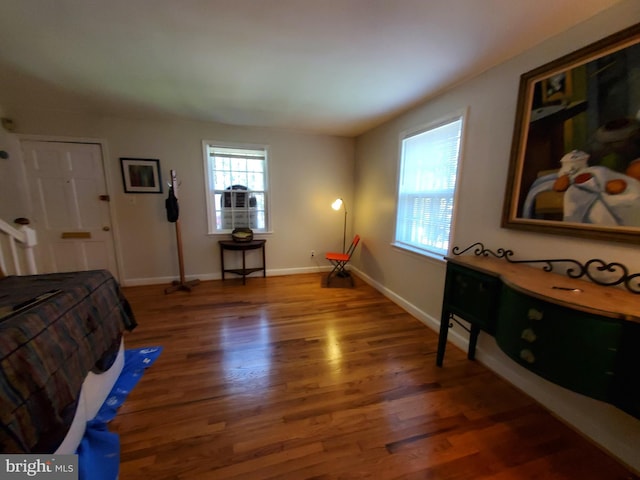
(243, 247)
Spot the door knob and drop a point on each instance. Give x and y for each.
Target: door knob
(534, 314)
(528, 335)
(527, 356)
(106, 229)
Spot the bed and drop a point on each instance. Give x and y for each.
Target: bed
(61, 350)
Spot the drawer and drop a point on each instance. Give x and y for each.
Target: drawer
(473, 296)
(574, 349)
(628, 371)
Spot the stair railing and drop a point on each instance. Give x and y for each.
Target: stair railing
(16, 249)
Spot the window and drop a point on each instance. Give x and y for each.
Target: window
(427, 181)
(237, 192)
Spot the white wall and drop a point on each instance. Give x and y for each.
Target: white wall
(307, 172)
(417, 283)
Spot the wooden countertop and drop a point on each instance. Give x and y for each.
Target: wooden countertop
(610, 302)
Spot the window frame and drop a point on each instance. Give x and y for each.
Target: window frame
(209, 185)
(426, 252)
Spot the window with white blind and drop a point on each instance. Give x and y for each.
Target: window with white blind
(237, 187)
(426, 189)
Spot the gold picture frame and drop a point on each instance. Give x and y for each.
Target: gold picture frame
(575, 155)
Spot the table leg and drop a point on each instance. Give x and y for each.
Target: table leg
(222, 260)
(442, 338)
(244, 268)
(473, 339)
(264, 263)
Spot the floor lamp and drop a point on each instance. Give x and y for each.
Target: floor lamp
(336, 206)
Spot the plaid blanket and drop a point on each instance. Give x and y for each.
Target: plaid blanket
(54, 329)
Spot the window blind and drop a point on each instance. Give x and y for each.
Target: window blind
(429, 164)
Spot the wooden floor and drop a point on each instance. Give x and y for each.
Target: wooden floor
(284, 379)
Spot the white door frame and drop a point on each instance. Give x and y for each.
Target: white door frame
(108, 181)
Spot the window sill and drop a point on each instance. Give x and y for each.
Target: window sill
(228, 233)
(403, 248)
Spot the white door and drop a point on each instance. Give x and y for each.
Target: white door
(68, 192)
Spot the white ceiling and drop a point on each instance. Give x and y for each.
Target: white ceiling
(329, 66)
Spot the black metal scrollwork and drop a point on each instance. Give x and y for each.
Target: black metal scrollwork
(452, 319)
(620, 273)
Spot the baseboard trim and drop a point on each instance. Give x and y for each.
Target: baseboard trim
(138, 282)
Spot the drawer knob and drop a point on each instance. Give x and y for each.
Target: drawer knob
(528, 335)
(534, 314)
(527, 356)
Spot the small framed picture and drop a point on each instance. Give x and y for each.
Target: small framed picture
(141, 175)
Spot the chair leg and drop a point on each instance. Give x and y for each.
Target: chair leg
(331, 274)
(339, 270)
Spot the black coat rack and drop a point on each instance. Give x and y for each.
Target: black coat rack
(173, 216)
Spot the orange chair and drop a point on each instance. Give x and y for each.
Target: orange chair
(340, 260)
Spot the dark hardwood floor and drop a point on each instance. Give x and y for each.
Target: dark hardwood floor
(283, 379)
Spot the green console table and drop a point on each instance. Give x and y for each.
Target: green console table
(575, 333)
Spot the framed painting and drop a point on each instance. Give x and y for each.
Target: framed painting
(141, 175)
(575, 156)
